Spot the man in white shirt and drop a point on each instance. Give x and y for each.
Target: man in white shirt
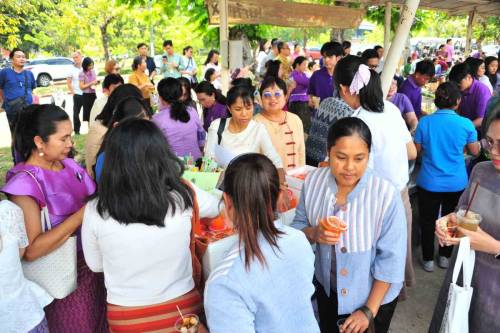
(73, 82)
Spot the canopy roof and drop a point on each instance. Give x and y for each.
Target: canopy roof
(453, 7)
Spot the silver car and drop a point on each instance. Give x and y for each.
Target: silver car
(46, 70)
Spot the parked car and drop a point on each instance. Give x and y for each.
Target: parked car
(46, 70)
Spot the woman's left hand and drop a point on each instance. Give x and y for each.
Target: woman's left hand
(481, 240)
(355, 323)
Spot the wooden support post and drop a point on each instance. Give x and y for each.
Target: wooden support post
(468, 38)
(391, 62)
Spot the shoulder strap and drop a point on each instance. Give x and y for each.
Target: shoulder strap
(222, 127)
(44, 217)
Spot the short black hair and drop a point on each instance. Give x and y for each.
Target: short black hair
(13, 52)
(141, 45)
(272, 81)
(369, 54)
(168, 42)
(332, 49)
(448, 40)
(274, 41)
(208, 73)
(311, 64)
(131, 191)
(348, 127)
(346, 44)
(239, 91)
(425, 67)
(86, 63)
(245, 82)
(447, 95)
(377, 47)
(112, 79)
(459, 72)
(280, 45)
(187, 48)
(441, 46)
(120, 93)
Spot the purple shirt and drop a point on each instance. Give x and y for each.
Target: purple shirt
(64, 192)
(88, 77)
(299, 94)
(474, 101)
(402, 102)
(215, 112)
(183, 138)
(321, 84)
(414, 94)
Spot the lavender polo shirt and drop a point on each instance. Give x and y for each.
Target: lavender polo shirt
(182, 137)
(321, 84)
(299, 94)
(414, 94)
(402, 102)
(474, 101)
(215, 112)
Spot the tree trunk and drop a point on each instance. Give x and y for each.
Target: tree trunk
(105, 36)
(482, 35)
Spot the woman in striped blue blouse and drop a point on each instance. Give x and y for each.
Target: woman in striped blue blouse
(360, 271)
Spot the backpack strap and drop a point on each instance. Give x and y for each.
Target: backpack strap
(220, 130)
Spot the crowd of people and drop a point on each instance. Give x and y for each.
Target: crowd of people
(134, 215)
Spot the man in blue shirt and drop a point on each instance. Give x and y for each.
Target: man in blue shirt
(16, 86)
(150, 62)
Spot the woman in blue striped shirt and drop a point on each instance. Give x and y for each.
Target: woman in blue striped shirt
(360, 271)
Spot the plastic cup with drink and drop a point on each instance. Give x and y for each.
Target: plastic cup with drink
(188, 323)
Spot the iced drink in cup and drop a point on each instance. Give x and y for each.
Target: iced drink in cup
(470, 221)
(333, 224)
(188, 324)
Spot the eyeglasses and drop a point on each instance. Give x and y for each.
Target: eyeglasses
(490, 145)
(269, 94)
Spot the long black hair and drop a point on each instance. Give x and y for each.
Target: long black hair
(36, 120)
(170, 91)
(121, 92)
(210, 56)
(371, 96)
(262, 45)
(493, 77)
(132, 191)
(349, 126)
(252, 183)
(272, 68)
(474, 65)
(186, 84)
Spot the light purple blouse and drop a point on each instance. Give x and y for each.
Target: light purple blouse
(299, 94)
(88, 77)
(183, 138)
(64, 191)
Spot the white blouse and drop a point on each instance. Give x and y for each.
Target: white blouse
(142, 265)
(253, 139)
(21, 301)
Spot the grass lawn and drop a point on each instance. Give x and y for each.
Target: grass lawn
(6, 158)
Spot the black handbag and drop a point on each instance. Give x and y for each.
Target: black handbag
(19, 103)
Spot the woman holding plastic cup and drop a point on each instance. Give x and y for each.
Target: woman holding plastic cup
(357, 221)
(483, 311)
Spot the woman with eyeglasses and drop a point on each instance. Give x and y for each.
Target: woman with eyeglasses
(285, 128)
(441, 139)
(483, 311)
(240, 134)
(264, 284)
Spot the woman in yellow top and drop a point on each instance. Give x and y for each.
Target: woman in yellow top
(140, 79)
(285, 128)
